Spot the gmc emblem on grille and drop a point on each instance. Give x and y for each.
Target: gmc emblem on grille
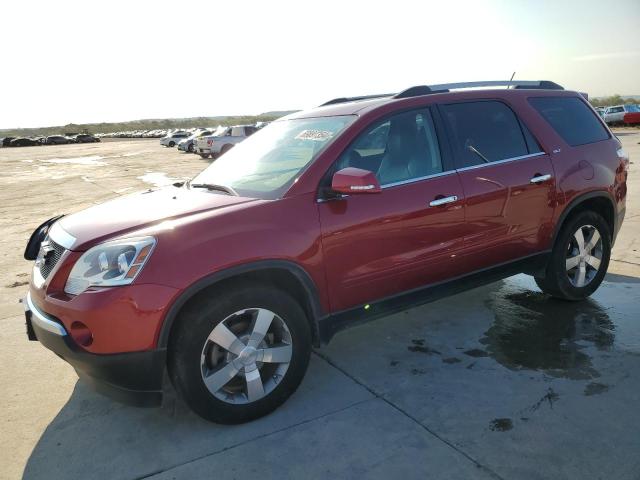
(44, 254)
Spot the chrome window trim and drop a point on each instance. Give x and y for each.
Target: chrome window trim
(42, 319)
(498, 162)
(417, 179)
(61, 236)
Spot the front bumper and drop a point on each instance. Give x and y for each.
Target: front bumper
(134, 378)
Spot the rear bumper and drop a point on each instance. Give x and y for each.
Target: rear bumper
(134, 378)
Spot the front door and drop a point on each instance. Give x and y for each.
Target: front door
(377, 245)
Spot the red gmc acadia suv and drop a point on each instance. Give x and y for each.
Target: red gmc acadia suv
(357, 209)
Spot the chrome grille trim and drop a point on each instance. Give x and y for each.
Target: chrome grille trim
(61, 236)
(47, 267)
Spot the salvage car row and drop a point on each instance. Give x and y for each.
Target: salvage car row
(210, 142)
(50, 140)
(620, 114)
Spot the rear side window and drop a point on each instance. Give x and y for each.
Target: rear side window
(571, 119)
(486, 131)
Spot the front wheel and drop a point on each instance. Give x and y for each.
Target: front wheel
(579, 259)
(172, 144)
(239, 354)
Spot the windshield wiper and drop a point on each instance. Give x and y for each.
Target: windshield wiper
(214, 187)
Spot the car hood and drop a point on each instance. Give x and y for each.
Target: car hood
(141, 210)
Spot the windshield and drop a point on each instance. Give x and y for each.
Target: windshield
(266, 164)
(632, 108)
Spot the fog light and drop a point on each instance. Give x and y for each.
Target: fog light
(81, 334)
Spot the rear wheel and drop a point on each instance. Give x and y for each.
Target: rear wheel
(579, 259)
(225, 148)
(240, 353)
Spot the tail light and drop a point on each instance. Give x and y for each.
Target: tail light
(624, 156)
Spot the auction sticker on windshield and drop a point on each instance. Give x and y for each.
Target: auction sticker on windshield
(316, 135)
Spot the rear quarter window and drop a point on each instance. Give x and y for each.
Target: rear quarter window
(571, 118)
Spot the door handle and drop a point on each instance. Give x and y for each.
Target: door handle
(443, 201)
(540, 178)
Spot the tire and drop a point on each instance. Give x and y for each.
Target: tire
(573, 283)
(190, 149)
(204, 155)
(225, 148)
(172, 144)
(194, 353)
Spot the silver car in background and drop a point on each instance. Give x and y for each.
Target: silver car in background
(172, 139)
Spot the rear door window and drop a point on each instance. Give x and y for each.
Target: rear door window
(485, 131)
(571, 118)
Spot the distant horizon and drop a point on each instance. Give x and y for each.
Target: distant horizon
(213, 117)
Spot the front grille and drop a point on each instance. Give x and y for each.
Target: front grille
(52, 259)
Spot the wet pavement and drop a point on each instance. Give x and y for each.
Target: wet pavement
(498, 382)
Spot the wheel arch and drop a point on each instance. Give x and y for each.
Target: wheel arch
(284, 274)
(599, 201)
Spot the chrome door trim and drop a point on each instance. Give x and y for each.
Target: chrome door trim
(417, 179)
(540, 178)
(498, 162)
(443, 201)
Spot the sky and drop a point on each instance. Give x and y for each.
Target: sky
(69, 61)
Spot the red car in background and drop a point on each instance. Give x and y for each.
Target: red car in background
(344, 213)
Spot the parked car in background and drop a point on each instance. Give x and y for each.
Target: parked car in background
(600, 111)
(222, 140)
(23, 142)
(188, 144)
(85, 138)
(622, 114)
(56, 140)
(326, 218)
(6, 141)
(172, 139)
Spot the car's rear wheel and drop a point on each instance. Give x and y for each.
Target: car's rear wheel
(579, 259)
(225, 148)
(240, 353)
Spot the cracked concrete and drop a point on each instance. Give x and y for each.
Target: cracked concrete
(498, 382)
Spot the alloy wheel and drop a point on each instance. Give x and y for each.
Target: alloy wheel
(246, 356)
(584, 255)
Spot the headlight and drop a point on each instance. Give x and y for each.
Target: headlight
(110, 264)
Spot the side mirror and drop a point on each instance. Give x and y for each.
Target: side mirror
(352, 180)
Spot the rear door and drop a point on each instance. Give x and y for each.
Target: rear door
(507, 179)
(407, 236)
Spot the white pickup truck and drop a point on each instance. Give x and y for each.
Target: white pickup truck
(222, 140)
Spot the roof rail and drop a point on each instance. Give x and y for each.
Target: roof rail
(420, 90)
(531, 84)
(354, 99)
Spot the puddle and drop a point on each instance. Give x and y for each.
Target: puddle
(536, 332)
(595, 388)
(91, 160)
(158, 179)
(501, 424)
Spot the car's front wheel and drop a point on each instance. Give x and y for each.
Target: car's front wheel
(579, 259)
(172, 144)
(239, 353)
